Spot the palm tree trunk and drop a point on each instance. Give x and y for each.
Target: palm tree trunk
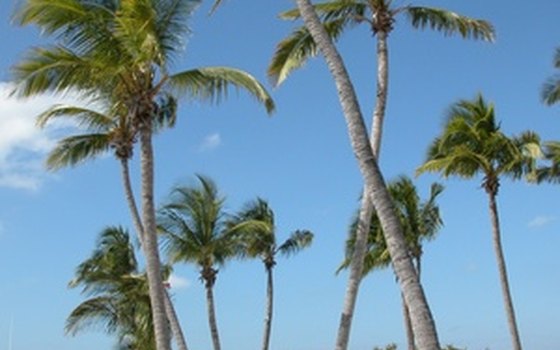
(407, 325)
(169, 309)
(268, 312)
(150, 246)
(366, 206)
(212, 316)
(422, 321)
(498, 250)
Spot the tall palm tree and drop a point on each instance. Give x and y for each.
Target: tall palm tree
(421, 317)
(257, 231)
(194, 228)
(472, 143)
(121, 51)
(117, 291)
(420, 221)
(550, 92)
(380, 15)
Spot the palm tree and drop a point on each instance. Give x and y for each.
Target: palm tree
(550, 93)
(472, 143)
(117, 291)
(422, 320)
(420, 221)
(194, 229)
(380, 15)
(121, 51)
(257, 231)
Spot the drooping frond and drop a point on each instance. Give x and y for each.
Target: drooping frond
(82, 117)
(212, 83)
(551, 171)
(348, 10)
(292, 52)
(99, 311)
(297, 241)
(450, 23)
(550, 92)
(72, 150)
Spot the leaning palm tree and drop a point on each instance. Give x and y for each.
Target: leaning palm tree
(421, 317)
(420, 221)
(472, 143)
(194, 230)
(257, 232)
(117, 293)
(380, 16)
(121, 51)
(550, 93)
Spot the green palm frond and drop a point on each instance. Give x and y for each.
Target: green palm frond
(297, 241)
(73, 150)
(550, 92)
(212, 83)
(58, 69)
(292, 52)
(551, 172)
(99, 311)
(349, 10)
(450, 23)
(83, 117)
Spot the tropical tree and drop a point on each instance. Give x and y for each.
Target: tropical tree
(420, 221)
(472, 143)
(121, 51)
(117, 291)
(422, 320)
(194, 229)
(380, 15)
(257, 231)
(550, 93)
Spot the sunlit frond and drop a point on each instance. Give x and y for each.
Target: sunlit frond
(73, 150)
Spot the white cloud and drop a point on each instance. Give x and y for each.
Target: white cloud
(23, 145)
(541, 221)
(210, 142)
(178, 282)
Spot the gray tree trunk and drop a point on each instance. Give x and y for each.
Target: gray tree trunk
(366, 206)
(150, 246)
(498, 250)
(408, 326)
(269, 308)
(212, 317)
(422, 321)
(169, 309)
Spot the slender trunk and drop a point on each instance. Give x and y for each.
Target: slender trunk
(422, 321)
(268, 311)
(508, 303)
(212, 316)
(408, 325)
(169, 309)
(150, 246)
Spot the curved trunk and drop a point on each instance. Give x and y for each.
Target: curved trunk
(268, 311)
(169, 309)
(150, 246)
(422, 321)
(212, 316)
(498, 250)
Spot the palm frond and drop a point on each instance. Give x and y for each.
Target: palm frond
(450, 23)
(83, 117)
(348, 10)
(550, 91)
(297, 241)
(292, 52)
(73, 150)
(212, 83)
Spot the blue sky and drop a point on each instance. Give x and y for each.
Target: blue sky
(300, 160)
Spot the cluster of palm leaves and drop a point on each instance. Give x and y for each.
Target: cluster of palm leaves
(195, 229)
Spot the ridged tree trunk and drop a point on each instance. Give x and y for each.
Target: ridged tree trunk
(407, 326)
(366, 205)
(169, 309)
(150, 246)
(422, 321)
(212, 314)
(269, 308)
(498, 250)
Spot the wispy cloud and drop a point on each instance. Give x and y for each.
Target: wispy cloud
(23, 145)
(210, 142)
(178, 282)
(540, 221)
